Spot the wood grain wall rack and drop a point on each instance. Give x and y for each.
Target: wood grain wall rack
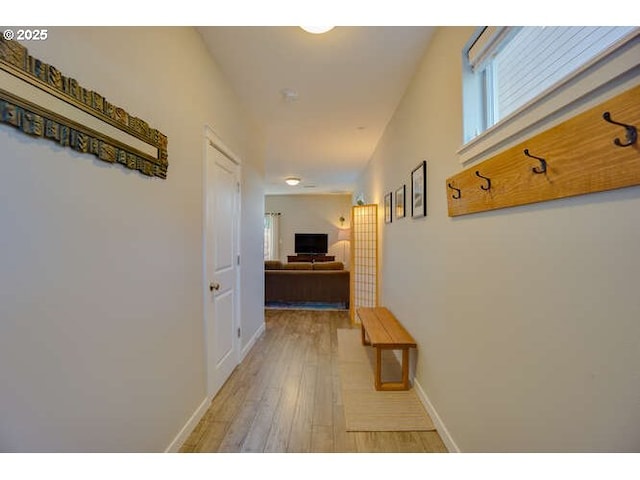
(594, 151)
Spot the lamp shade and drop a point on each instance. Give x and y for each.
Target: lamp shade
(344, 234)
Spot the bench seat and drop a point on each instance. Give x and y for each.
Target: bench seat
(382, 330)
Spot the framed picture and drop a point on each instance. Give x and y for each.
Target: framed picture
(387, 208)
(419, 190)
(400, 201)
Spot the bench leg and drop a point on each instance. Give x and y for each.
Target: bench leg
(405, 369)
(402, 385)
(364, 336)
(378, 380)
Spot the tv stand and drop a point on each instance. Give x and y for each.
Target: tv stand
(311, 257)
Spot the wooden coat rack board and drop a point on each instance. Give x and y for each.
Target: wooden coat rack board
(594, 151)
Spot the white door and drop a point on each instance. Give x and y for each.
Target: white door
(221, 266)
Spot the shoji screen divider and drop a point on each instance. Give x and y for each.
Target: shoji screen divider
(364, 258)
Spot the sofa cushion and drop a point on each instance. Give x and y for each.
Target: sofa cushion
(272, 265)
(298, 266)
(328, 266)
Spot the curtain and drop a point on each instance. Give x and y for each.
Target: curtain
(271, 236)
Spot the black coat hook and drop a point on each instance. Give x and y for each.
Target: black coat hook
(488, 187)
(631, 132)
(543, 162)
(459, 194)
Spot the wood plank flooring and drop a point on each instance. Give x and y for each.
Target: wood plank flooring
(285, 397)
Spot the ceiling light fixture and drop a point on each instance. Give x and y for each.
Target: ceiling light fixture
(317, 30)
(293, 181)
(289, 95)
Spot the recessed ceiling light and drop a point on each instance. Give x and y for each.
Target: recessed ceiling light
(317, 30)
(293, 181)
(289, 95)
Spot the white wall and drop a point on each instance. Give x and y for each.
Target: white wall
(101, 322)
(252, 252)
(527, 319)
(312, 214)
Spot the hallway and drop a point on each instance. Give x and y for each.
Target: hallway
(285, 397)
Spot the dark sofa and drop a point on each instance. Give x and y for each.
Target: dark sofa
(324, 282)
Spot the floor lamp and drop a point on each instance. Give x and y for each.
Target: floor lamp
(344, 234)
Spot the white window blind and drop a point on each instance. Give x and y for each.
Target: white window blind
(537, 58)
(485, 45)
(509, 69)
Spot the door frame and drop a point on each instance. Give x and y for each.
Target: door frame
(212, 138)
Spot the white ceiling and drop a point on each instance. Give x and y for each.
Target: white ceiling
(348, 81)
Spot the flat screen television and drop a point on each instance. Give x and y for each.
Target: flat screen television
(311, 243)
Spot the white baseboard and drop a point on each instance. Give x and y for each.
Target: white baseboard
(184, 433)
(442, 430)
(252, 342)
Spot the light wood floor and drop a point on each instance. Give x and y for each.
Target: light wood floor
(285, 396)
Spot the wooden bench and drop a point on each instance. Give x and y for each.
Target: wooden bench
(382, 330)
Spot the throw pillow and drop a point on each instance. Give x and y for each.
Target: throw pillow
(328, 266)
(272, 265)
(298, 266)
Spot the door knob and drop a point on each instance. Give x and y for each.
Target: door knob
(214, 286)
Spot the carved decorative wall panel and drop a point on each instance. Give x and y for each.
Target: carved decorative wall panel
(33, 118)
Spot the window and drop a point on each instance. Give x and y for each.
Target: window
(271, 236)
(527, 73)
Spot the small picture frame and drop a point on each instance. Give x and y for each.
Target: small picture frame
(419, 190)
(388, 202)
(400, 201)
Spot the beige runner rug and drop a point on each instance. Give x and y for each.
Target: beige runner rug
(365, 408)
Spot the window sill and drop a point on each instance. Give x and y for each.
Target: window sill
(609, 76)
